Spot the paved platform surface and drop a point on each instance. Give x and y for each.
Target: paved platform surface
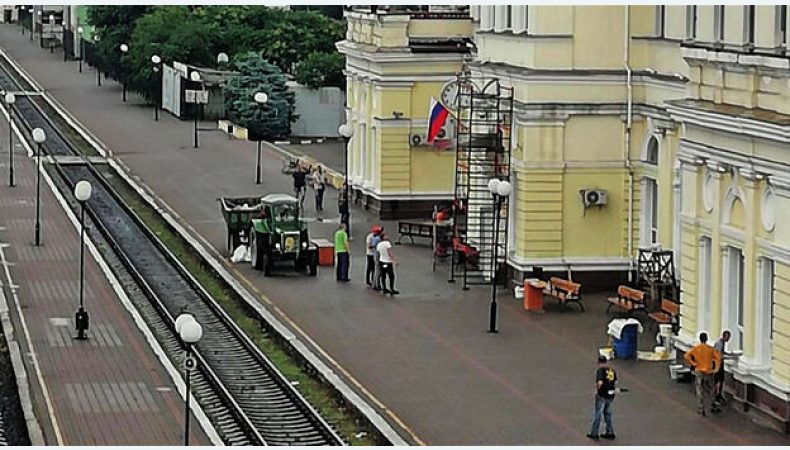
(425, 354)
(108, 390)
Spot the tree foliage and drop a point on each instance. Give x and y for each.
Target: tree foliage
(321, 69)
(271, 120)
(114, 25)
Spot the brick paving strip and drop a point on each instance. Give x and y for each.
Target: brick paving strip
(109, 390)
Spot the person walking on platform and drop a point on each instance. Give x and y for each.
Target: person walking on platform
(370, 251)
(705, 362)
(387, 260)
(605, 379)
(720, 346)
(342, 252)
(300, 176)
(377, 260)
(343, 209)
(318, 186)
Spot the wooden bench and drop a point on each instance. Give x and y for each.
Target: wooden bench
(669, 313)
(565, 291)
(412, 229)
(628, 299)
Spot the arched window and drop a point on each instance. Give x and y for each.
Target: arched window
(652, 151)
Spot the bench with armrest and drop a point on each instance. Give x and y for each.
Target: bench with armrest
(565, 291)
(669, 313)
(628, 299)
(415, 229)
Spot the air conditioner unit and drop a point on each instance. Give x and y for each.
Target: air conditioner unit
(447, 132)
(593, 197)
(418, 139)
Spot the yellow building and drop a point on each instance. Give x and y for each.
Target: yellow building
(680, 116)
(396, 61)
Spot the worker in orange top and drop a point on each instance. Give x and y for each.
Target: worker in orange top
(705, 361)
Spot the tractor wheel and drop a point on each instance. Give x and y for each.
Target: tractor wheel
(312, 269)
(300, 264)
(268, 264)
(256, 250)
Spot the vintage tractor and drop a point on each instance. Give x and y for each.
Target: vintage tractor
(279, 234)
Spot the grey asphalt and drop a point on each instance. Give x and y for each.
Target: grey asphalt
(425, 355)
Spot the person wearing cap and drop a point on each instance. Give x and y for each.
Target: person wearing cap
(370, 251)
(605, 379)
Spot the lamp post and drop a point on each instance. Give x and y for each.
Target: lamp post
(195, 76)
(260, 98)
(10, 99)
(32, 22)
(347, 133)
(39, 137)
(499, 189)
(41, 29)
(157, 62)
(80, 30)
(82, 192)
(124, 50)
(96, 39)
(190, 332)
(51, 33)
(222, 58)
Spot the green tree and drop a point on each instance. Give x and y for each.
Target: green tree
(271, 120)
(114, 25)
(173, 33)
(321, 69)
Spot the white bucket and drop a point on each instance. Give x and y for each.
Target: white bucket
(665, 329)
(518, 292)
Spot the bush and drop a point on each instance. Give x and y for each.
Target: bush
(271, 120)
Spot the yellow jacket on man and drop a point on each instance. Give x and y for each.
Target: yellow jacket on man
(703, 358)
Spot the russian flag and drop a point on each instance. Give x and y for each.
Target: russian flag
(437, 116)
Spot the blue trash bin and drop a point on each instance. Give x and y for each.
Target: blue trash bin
(625, 347)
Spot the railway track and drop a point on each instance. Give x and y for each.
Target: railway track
(246, 398)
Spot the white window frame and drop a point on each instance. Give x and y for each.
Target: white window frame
(649, 226)
(780, 35)
(733, 304)
(691, 22)
(748, 24)
(766, 297)
(704, 284)
(374, 148)
(718, 23)
(486, 17)
(661, 18)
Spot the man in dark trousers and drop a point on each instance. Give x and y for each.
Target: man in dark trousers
(343, 209)
(299, 184)
(342, 252)
(605, 379)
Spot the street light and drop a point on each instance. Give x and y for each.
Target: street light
(347, 133)
(157, 61)
(10, 99)
(39, 137)
(190, 332)
(260, 98)
(41, 30)
(124, 50)
(32, 22)
(51, 33)
(500, 189)
(80, 30)
(96, 39)
(195, 76)
(222, 58)
(82, 192)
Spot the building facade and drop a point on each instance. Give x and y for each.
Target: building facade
(680, 115)
(396, 61)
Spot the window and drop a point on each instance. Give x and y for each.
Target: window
(691, 22)
(650, 213)
(781, 25)
(652, 151)
(718, 23)
(765, 310)
(748, 25)
(703, 303)
(509, 17)
(733, 307)
(661, 15)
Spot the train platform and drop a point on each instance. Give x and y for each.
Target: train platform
(111, 389)
(423, 358)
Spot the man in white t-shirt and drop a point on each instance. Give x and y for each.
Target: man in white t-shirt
(387, 261)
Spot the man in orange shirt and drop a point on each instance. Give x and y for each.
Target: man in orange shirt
(705, 361)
